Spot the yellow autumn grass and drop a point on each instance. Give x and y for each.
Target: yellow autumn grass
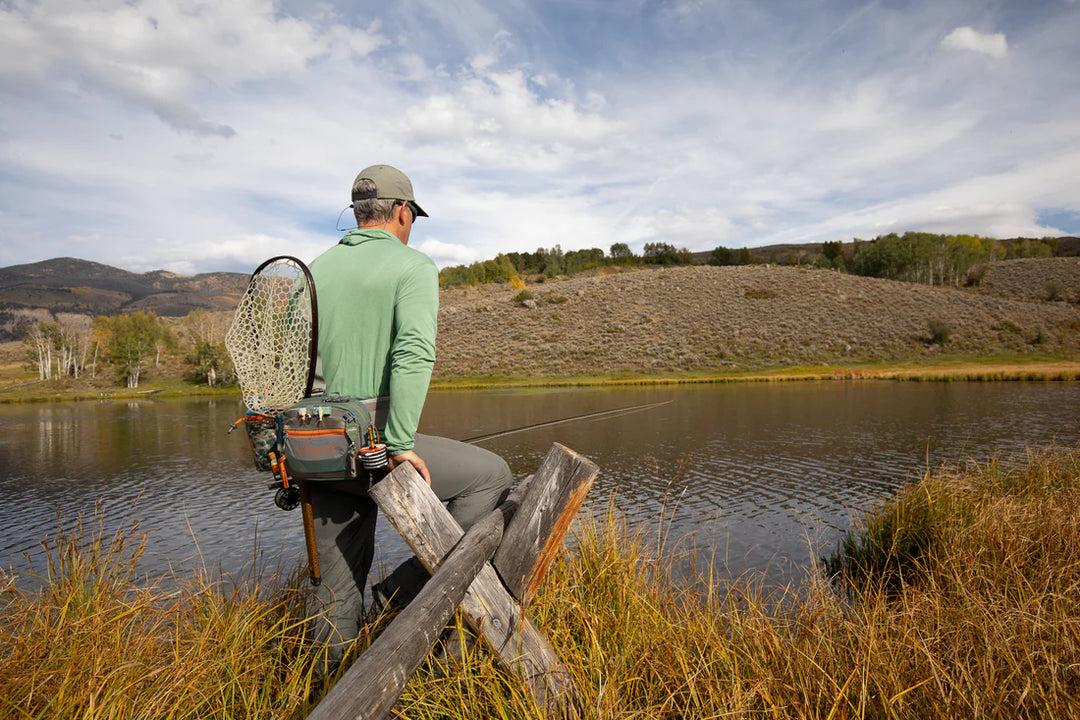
(958, 599)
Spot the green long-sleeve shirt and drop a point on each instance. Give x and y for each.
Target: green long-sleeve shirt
(378, 316)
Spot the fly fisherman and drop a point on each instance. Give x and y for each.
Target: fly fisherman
(378, 308)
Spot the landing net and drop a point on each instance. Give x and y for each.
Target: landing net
(272, 338)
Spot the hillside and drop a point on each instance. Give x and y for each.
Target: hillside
(688, 318)
(721, 318)
(31, 292)
(1034, 279)
(72, 285)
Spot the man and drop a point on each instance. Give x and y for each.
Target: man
(378, 308)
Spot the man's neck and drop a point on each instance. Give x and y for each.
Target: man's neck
(395, 229)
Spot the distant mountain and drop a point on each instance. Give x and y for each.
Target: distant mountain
(81, 286)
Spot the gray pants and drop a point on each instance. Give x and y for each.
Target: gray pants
(473, 481)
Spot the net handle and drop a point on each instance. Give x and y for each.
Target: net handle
(313, 346)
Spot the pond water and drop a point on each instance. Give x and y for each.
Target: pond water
(756, 476)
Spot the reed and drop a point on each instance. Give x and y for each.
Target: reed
(958, 599)
(964, 605)
(88, 638)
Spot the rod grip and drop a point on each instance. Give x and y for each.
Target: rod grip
(314, 574)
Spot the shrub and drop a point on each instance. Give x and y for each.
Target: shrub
(760, 293)
(1054, 291)
(940, 331)
(521, 297)
(976, 276)
(893, 546)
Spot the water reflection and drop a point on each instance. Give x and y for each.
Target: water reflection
(763, 475)
(756, 474)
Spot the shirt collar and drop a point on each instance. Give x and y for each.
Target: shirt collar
(362, 235)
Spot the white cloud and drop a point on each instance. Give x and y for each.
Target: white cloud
(209, 136)
(682, 227)
(236, 251)
(995, 205)
(497, 119)
(444, 253)
(163, 55)
(968, 38)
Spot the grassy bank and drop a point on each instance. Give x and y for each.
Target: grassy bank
(995, 368)
(61, 392)
(958, 599)
(87, 638)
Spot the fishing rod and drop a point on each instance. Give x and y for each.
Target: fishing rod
(288, 499)
(614, 412)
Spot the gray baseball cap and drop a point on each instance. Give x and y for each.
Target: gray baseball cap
(390, 184)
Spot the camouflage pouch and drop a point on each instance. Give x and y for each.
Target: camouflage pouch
(262, 435)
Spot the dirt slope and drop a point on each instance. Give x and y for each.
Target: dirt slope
(722, 317)
(691, 318)
(1035, 279)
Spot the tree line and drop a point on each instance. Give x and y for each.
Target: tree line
(74, 346)
(929, 258)
(549, 262)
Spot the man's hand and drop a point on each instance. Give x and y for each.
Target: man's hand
(411, 457)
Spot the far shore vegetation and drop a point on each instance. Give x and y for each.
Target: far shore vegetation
(955, 599)
(68, 355)
(994, 368)
(929, 258)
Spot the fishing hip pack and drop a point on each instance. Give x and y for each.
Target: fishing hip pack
(330, 438)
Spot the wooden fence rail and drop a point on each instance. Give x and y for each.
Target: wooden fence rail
(536, 515)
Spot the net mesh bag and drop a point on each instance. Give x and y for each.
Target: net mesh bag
(270, 338)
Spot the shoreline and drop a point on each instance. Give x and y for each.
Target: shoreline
(999, 368)
(993, 368)
(936, 604)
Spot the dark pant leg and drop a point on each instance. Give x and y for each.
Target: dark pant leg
(471, 480)
(345, 538)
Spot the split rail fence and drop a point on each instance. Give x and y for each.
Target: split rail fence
(521, 537)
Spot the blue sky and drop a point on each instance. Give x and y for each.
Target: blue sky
(201, 136)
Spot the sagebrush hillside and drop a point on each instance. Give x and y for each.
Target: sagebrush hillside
(691, 318)
(703, 318)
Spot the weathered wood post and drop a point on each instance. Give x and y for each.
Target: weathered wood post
(376, 680)
(535, 534)
(488, 607)
(547, 504)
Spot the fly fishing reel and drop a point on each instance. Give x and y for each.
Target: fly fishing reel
(287, 498)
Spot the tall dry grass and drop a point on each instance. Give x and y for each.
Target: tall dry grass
(959, 599)
(89, 638)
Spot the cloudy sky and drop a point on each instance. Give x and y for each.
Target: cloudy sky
(201, 135)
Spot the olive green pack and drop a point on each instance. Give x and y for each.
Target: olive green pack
(320, 437)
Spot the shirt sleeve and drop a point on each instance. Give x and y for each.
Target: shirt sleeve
(412, 352)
